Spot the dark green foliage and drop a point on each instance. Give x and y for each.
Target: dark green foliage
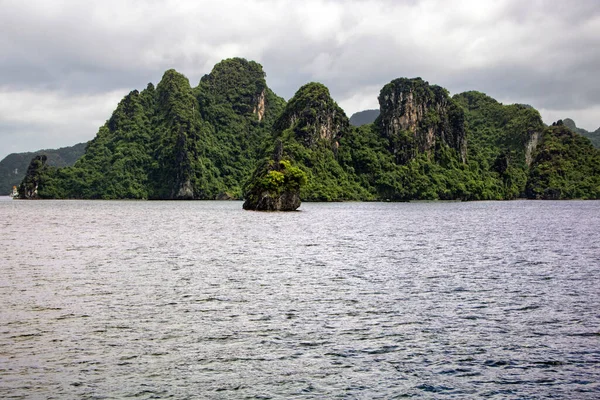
(310, 129)
(275, 184)
(14, 166)
(116, 161)
(365, 152)
(414, 150)
(36, 172)
(500, 141)
(175, 142)
(179, 165)
(566, 166)
(240, 110)
(313, 116)
(236, 82)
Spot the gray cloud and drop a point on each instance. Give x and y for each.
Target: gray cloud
(65, 64)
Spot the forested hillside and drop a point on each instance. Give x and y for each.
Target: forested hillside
(565, 166)
(14, 165)
(231, 137)
(173, 141)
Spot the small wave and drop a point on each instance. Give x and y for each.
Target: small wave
(525, 308)
(498, 363)
(346, 354)
(382, 350)
(148, 394)
(42, 308)
(585, 334)
(25, 336)
(230, 388)
(65, 316)
(549, 363)
(312, 344)
(434, 389)
(208, 299)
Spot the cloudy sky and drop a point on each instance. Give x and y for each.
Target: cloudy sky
(66, 64)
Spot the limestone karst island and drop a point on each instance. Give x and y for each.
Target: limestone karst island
(231, 137)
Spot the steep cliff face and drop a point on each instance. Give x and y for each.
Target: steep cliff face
(35, 172)
(531, 146)
(503, 137)
(418, 118)
(260, 106)
(180, 129)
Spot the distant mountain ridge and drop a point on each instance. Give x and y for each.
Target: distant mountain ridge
(14, 166)
(593, 136)
(364, 117)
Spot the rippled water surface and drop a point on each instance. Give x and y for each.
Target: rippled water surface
(349, 300)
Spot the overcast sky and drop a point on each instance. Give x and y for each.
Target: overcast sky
(64, 65)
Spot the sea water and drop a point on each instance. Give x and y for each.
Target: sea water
(119, 299)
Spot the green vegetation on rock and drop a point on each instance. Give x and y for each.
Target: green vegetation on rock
(275, 184)
(565, 166)
(420, 118)
(37, 172)
(310, 128)
(175, 141)
(501, 140)
(231, 137)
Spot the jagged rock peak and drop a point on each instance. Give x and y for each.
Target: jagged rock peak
(239, 82)
(569, 123)
(172, 79)
(424, 111)
(172, 82)
(29, 186)
(314, 116)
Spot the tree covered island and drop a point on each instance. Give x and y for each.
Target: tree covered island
(231, 137)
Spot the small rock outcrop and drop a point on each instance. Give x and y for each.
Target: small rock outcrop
(417, 118)
(260, 107)
(531, 145)
(275, 185)
(30, 184)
